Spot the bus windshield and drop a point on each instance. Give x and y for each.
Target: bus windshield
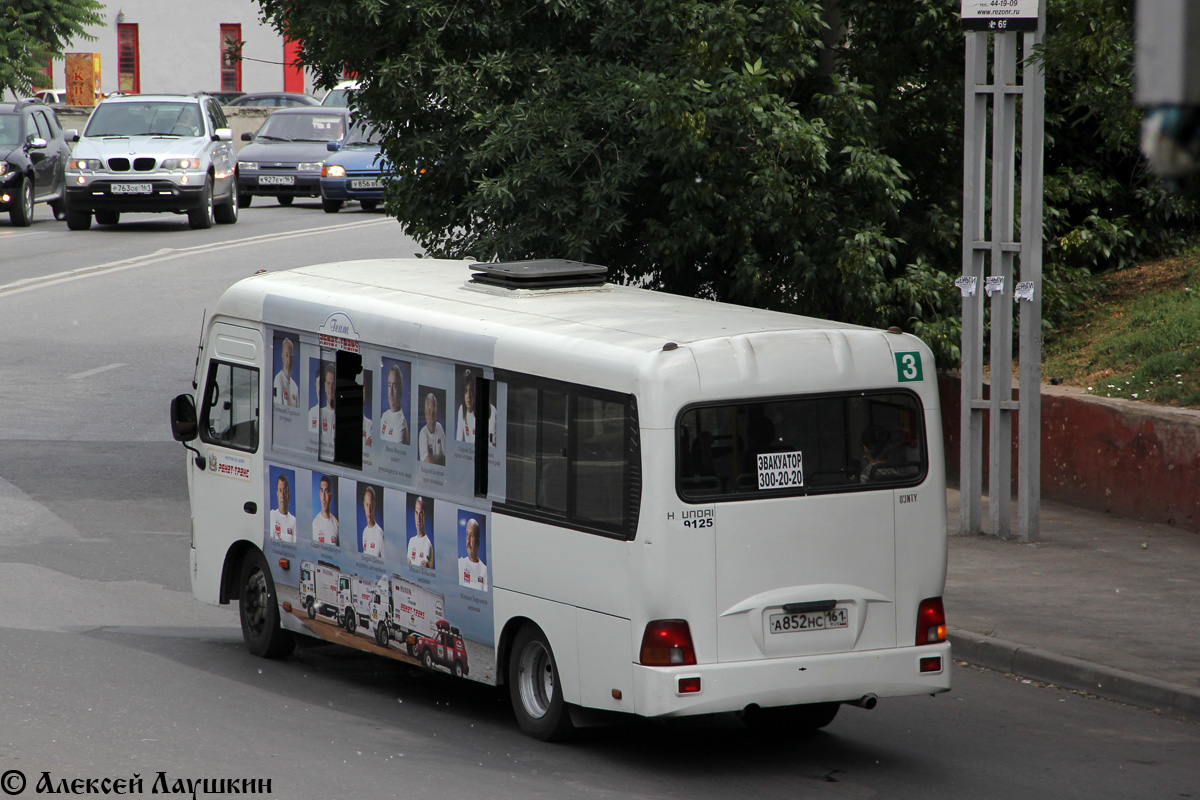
(797, 446)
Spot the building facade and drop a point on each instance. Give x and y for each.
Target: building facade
(174, 46)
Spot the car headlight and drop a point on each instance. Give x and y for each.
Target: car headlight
(247, 165)
(3, 167)
(181, 163)
(84, 163)
(333, 171)
(309, 166)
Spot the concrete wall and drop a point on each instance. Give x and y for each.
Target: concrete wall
(1126, 458)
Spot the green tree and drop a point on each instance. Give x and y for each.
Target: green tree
(804, 155)
(34, 31)
(692, 146)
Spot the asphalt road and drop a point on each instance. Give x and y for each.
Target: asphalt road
(109, 668)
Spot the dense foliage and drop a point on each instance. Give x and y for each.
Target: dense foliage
(799, 154)
(32, 31)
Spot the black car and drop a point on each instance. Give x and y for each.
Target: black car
(274, 100)
(284, 158)
(33, 156)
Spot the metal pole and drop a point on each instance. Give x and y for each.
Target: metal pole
(1001, 246)
(1029, 444)
(976, 91)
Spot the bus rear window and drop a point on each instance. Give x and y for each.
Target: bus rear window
(804, 445)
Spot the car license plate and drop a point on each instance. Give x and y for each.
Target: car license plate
(809, 621)
(366, 183)
(132, 188)
(276, 180)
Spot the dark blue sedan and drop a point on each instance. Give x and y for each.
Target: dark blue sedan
(355, 171)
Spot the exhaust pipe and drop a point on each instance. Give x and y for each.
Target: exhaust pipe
(867, 701)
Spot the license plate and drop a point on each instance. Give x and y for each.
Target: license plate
(276, 180)
(132, 188)
(366, 183)
(809, 621)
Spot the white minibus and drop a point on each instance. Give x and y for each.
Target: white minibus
(621, 501)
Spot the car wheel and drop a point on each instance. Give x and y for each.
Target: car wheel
(227, 213)
(427, 659)
(21, 213)
(285, 199)
(350, 621)
(790, 720)
(331, 206)
(107, 217)
(202, 217)
(369, 205)
(458, 670)
(245, 199)
(59, 207)
(381, 635)
(259, 610)
(78, 219)
(310, 608)
(534, 687)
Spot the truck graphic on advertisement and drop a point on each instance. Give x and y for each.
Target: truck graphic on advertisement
(328, 592)
(400, 608)
(445, 648)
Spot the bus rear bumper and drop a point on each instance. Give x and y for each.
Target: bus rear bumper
(836, 677)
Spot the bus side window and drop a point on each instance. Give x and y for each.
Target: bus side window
(229, 417)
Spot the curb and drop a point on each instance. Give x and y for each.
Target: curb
(1073, 673)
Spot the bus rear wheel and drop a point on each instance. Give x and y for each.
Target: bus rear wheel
(259, 610)
(535, 689)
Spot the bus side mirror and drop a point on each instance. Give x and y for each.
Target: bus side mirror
(183, 418)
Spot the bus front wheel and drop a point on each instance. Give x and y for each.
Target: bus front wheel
(259, 610)
(535, 689)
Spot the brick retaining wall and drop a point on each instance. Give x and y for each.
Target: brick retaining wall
(1126, 458)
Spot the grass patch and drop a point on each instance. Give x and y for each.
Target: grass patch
(1139, 338)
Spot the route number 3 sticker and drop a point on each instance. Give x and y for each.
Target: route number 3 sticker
(908, 367)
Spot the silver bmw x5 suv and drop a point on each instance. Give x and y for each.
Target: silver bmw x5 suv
(153, 153)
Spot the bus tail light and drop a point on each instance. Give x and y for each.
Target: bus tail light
(667, 643)
(931, 621)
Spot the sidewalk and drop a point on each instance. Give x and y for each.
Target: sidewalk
(1099, 604)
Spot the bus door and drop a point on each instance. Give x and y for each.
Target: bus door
(803, 518)
(227, 493)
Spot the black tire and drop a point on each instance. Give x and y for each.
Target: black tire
(381, 634)
(201, 218)
(285, 199)
(790, 720)
(78, 219)
(311, 609)
(227, 213)
(534, 687)
(245, 199)
(331, 206)
(259, 609)
(427, 658)
(408, 645)
(458, 670)
(21, 213)
(349, 621)
(107, 217)
(369, 205)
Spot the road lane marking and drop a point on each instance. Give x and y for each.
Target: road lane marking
(89, 373)
(167, 253)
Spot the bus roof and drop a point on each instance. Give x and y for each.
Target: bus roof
(609, 330)
(624, 316)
